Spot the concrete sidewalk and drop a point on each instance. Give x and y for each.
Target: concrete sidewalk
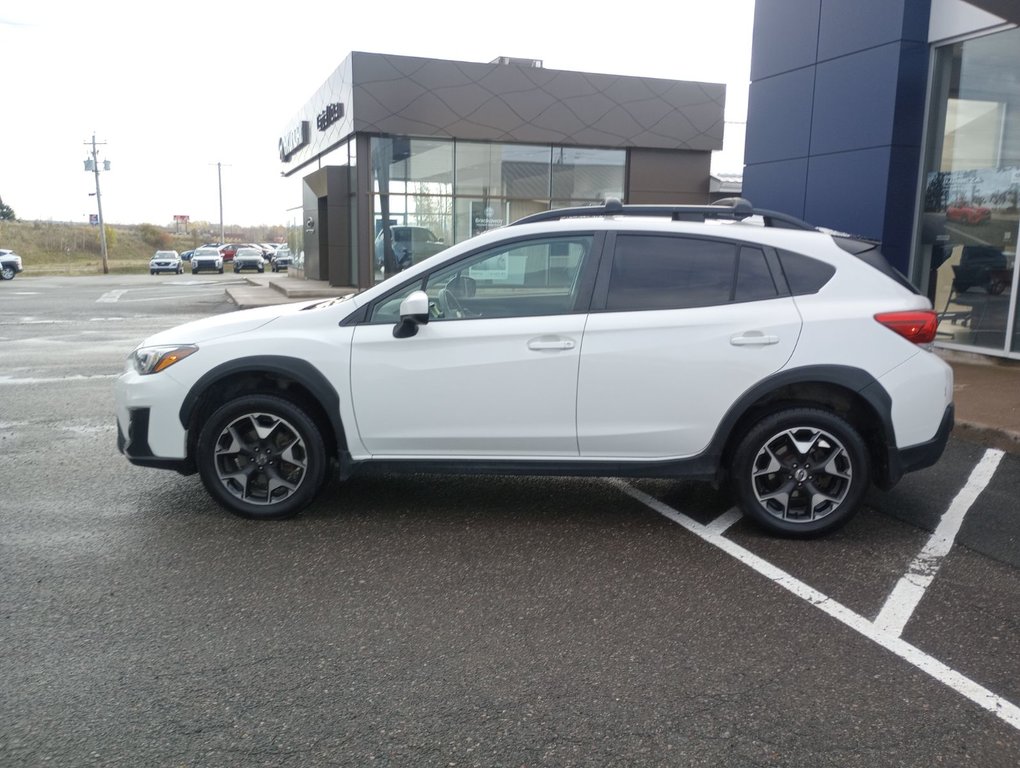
(987, 389)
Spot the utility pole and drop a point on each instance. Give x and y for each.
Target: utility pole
(219, 180)
(93, 165)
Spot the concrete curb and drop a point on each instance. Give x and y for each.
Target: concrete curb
(991, 437)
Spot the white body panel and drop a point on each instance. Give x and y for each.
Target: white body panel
(496, 387)
(656, 384)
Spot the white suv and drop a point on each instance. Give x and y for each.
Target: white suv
(715, 342)
(206, 260)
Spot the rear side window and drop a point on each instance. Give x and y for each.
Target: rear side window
(754, 279)
(663, 272)
(804, 274)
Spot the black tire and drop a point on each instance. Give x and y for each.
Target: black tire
(7, 273)
(801, 472)
(152, 271)
(268, 476)
(221, 270)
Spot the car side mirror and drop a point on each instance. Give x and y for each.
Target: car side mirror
(414, 311)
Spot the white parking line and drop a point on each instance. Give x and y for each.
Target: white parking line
(110, 297)
(978, 694)
(907, 593)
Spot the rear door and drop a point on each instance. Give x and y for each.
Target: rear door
(684, 326)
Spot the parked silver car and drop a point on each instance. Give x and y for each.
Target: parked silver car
(166, 261)
(10, 264)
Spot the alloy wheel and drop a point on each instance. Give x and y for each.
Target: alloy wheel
(261, 458)
(802, 474)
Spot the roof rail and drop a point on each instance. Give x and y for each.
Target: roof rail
(733, 208)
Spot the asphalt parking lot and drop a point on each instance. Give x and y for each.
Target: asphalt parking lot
(467, 620)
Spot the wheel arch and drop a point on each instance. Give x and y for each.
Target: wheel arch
(291, 378)
(849, 392)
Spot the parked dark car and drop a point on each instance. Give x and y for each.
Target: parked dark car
(249, 258)
(282, 258)
(983, 266)
(410, 245)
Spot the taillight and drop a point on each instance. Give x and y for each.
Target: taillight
(918, 326)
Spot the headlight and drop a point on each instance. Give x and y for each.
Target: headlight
(148, 360)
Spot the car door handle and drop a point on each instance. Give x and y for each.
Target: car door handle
(753, 339)
(550, 342)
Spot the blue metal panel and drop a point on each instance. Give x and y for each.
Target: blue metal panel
(780, 108)
(846, 27)
(855, 101)
(847, 191)
(857, 169)
(777, 186)
(900, 210)
(785, 36)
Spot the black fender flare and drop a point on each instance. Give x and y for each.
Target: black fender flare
(301, 371)
(856, 380)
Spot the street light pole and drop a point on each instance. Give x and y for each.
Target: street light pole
(99, 205)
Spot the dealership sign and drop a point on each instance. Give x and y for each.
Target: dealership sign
(332, 113)
(293, 140)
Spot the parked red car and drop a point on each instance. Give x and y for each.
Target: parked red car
(227, 251)
(964, 213)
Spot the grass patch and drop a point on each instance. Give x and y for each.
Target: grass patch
(64, 248)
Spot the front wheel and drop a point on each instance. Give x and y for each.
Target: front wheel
(261, 457)
(801, 472)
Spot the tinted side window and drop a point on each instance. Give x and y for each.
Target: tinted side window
(804, 274)
(527, 278)
(754, 279)
(662, 272)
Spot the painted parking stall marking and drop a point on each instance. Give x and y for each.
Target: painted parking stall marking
(910, 589)
(986, 699)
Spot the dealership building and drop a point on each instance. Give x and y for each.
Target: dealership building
(394, 144)
(899, 120)
(895, 120)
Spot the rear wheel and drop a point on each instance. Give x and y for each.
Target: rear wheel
(801, 472)
(261, 457)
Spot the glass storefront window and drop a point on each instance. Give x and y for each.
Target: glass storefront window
(451, 191)
(503, 170)
(584, 175)
(969, 209)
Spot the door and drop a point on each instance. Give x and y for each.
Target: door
(494, 371)
(688, 326)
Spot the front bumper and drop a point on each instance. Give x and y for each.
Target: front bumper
(135, 444)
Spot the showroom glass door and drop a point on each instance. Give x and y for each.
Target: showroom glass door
(969, 205)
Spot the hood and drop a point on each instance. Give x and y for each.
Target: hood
(227, 324)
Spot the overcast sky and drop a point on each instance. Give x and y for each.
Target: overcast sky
(173, 88)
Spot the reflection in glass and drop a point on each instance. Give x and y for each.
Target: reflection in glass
(969, 219)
